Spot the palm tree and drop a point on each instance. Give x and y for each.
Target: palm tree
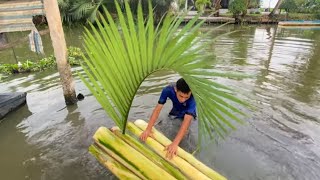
(85, 9)
(64, 6)
(120, 58)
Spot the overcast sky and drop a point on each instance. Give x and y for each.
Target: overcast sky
(267, 3)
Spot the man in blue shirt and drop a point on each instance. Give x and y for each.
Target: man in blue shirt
(184, 107)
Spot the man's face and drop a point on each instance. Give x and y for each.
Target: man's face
(182, 97)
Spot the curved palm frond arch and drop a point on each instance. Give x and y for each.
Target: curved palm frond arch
(119, 58)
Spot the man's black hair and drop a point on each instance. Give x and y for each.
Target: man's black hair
(182, 86)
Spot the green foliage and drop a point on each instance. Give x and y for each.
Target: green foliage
(74, 56)
(64, 7)
(288, 5)
(88, 10)
(201, 4)
(254, 4)
(85, 9)
(120, 58)
(298, 16)
(308, 6)
(313, 5)
(236, 7)
(160, 7)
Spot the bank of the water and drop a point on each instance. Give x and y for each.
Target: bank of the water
(264, 19)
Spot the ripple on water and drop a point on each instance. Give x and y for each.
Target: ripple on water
(279, 141)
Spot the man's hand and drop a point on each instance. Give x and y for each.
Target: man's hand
(145, 134)
(148, 132)
(172, 150)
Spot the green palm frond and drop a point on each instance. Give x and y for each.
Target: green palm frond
(118, 61)
(85, 9)
(64, 6)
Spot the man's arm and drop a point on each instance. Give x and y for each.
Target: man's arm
(152, 121)
(173, 147)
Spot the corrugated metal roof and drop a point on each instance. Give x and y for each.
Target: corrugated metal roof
(17, 15)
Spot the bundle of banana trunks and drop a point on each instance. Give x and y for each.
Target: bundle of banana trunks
(127, 158)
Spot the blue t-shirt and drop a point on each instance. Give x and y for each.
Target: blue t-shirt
(178, 109)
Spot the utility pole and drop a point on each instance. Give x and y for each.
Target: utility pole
(60, 50)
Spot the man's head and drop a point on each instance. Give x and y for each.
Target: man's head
(183, 91)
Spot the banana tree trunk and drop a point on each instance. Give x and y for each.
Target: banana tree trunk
(179, 162)
(127, 158)
(275, 8)
(155, 158)
(118, 169)
(123, 153)
(164, 141)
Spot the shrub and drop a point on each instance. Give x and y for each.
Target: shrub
(236, 7)
(201, 4)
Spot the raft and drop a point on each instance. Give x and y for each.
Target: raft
(10, 102)
(129, 158)
(299, 23)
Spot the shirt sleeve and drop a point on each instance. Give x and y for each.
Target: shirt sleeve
(191, 110)
(164, 95)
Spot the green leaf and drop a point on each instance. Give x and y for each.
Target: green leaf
(120, 57)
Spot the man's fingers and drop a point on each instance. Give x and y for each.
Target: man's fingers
(144, 136)
(151, 135)
(170, 155)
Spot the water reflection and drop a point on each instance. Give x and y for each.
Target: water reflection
(15, 151)
(308, 79)
(22, 53)
(281, 59)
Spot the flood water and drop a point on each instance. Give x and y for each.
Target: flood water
(281, 139)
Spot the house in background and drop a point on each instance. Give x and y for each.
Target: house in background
(224, 4)
(254, 5)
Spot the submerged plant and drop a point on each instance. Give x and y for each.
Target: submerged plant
(120, 58)
(201, 4)
(74, 56)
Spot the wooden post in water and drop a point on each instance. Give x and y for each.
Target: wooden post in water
(60, 50)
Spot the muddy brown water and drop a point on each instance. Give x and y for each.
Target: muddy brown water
(281, 139)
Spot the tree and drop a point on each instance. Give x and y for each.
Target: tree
(217, 6)
(288, 5)
(313, 5)
(275, 9)
(88, 10)
(201, 4)
(237, 7)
